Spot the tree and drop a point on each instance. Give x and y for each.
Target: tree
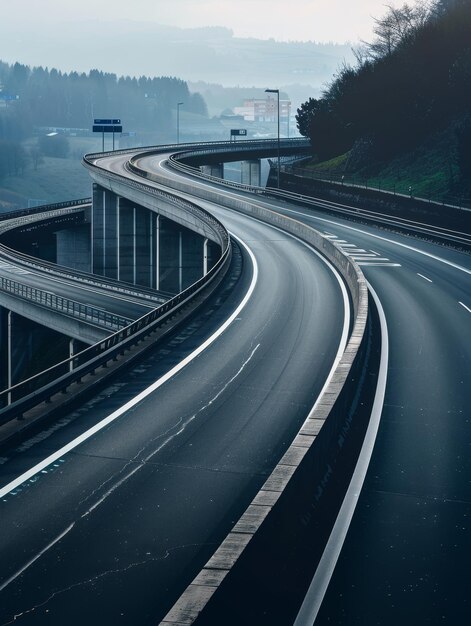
(305, 114)
(395, 27)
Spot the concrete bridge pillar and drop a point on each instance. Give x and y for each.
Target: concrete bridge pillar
(105, 218)
(251, 172)
(215, 169)
(184, 256)
(137, 245)
(27, 348)
(73, 247)
(122, 235)
(5, 348)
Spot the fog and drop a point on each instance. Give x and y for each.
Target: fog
(319, 20)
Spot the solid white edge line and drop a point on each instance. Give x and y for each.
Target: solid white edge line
(141, 396)
(464, 305)
(320, 582)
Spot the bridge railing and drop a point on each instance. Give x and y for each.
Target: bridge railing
(220, 233)
(66, 306)
(43, 208)
(39, 388)
(210, 147)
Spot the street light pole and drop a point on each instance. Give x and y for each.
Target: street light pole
(277, 91)
(178, 121)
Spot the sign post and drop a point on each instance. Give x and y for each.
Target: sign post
(238, 132)
(107, 126)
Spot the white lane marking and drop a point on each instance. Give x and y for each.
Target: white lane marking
(464, 305)
(364, 232)
(424, 277)
(158, 383)
(374, 252)
(170, 438)
(366, 257)
(320, 582)
(372, 263)
(35, 558)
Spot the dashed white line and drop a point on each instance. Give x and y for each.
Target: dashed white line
(425, 277)
(372, 263)
(464, 305)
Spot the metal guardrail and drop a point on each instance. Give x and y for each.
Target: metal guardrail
(210, 147)
(440, 233)
(421, 228)
(43, 208)
(29, 393)
(373, 184)
(66, 306)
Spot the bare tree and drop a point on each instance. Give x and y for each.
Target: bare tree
(395, 27)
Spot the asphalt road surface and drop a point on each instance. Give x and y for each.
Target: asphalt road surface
(112, 531)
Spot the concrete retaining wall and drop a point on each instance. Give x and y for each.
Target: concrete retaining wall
(400, 206)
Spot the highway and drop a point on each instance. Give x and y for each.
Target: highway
(406, 551)
(121, 523)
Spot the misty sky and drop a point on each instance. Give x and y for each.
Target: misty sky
(303, 20)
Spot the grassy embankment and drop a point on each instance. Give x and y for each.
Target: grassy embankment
(430, 171)
(54, 179)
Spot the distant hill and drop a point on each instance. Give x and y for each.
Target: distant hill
(209, 54)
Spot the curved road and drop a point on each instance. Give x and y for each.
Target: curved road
(405, 556)
(117, 527)
(131, 507)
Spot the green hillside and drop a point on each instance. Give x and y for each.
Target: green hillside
(401, 118)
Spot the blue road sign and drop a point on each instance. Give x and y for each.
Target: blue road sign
(107, 128)
(115, 121)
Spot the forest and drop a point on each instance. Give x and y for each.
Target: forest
(32, 98)
(411, 82)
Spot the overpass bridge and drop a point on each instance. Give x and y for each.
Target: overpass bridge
(225, 452)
